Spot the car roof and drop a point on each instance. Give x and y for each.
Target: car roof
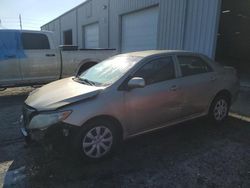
(148, 53)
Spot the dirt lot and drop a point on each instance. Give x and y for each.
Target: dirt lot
(194, 154)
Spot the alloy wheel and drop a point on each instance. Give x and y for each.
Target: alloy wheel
(220, 110)
(97, 142)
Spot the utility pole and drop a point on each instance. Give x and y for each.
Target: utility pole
(1, 27)
(20, 20)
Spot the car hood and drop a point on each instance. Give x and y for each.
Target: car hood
(60, 93)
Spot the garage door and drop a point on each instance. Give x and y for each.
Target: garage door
(139, 30)
(91, 37)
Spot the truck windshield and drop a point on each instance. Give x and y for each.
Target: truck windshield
(109, 71)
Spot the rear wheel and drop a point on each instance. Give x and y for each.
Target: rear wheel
(219, 109)
(97, 140)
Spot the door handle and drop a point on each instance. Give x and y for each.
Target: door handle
(50, 55)
(174, 88)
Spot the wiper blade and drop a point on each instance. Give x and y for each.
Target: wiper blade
(85, 81)
(77, 79)
(88, 81)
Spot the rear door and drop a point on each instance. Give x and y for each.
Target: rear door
(42, 62)
(197, 82)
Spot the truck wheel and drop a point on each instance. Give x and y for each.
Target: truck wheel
(97, 140)
(219, 109)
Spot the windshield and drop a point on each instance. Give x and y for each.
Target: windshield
(109, 71)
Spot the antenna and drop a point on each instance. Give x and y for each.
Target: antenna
(20, 20)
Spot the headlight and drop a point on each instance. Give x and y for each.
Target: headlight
(44, 120)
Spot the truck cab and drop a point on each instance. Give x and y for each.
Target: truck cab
(38, 62)
(29, 58)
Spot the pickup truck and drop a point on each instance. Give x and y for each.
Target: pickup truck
(30, 58)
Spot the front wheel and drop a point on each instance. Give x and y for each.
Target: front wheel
(97, 140)
(219, 109)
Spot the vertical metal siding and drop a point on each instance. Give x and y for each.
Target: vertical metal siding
(97, 14)
(183, 24)
(68, 21)
(117, 9)
(171, 24)
(201, 26)
(57, 32)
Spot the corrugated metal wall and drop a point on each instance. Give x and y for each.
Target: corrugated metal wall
(119, 8)
(94, 12)
(55, 27)
(202, 26)
(183, 24)
(172, 23)
(67, 22)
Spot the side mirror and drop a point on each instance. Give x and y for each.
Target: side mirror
(136, 82)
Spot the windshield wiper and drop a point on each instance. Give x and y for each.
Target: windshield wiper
(88, 81)
(84, 81)
(77, 79)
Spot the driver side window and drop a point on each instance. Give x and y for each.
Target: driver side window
(157, 70)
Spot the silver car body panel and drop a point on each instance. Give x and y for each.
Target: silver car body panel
(60, 93)
(143, 109)
(10, 72)
(40, 65)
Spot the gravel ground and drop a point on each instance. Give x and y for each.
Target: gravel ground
(193, 154)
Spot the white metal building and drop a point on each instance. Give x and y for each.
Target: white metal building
(132, 25)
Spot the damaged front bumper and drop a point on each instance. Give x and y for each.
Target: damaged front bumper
(45, 126)
(53, 134)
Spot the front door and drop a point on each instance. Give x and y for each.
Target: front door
(159, 101)
(42, 63)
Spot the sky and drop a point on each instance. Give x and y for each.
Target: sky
(34, 13)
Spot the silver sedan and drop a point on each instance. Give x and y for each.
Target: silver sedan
(128, 95)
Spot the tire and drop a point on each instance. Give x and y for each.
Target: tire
(97, 140)
(219, 109)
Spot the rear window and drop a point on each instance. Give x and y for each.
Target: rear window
(35, 41)
(192, 65)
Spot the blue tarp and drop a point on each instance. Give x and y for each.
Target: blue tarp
(11, 45)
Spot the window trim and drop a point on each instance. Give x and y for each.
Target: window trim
(42, 34)
(196, 56)
(146, 61)
(140, 64)
(64, 36)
